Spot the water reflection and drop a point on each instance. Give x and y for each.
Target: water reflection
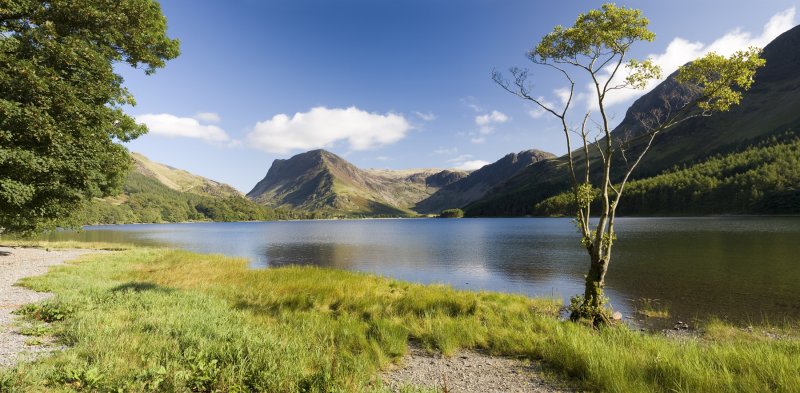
(737, 268)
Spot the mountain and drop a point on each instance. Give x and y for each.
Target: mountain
(769, 108)
(479, 182)
(320, 181)
(181, 180)
(155, 192)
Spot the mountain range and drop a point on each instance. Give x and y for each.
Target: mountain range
(771, 107)
(746, 160)
(321, 181)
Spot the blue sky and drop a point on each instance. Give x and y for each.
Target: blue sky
(386, 84)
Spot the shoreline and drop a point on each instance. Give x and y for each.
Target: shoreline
(361, 331)
(17, 263)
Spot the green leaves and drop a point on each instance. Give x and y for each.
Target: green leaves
(641, 72)
(61, 101)
(720, 79)
(611, 30)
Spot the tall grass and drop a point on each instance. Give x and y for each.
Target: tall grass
(165, 320)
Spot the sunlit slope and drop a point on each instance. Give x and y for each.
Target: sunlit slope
(320, 181)
(771, 107)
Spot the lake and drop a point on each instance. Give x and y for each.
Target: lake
(741, 269)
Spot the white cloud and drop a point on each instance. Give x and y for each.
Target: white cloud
(478, 139)
(562, 94)
(429, 116)
(680, 51)
(382, 158)
(187, 127)
(465, 162)
(208, 117)
(472, 165)
(487, 121)
(322, 127)
(537, 111)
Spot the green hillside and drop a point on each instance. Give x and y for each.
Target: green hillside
(769, 108)
(156, 193)
(761, 179)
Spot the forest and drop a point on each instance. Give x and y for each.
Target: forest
(761, 179)
(146, 200)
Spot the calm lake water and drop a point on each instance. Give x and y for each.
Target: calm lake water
(744, 269)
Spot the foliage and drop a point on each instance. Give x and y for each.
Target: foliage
(452, 213)
(721, 79)
(597, 47)
(172, 321)
(146, 200)
(762, 179)
(61, 105)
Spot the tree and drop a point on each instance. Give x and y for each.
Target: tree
(61, 103)
(597, 47)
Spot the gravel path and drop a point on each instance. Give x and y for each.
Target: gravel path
(465, 372)
(16, 263)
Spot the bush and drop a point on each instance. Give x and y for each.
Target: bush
(452, 213)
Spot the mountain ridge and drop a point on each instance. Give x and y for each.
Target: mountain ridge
(768, 108)
(321, 181)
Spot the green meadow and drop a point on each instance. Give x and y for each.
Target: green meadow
(159, 320)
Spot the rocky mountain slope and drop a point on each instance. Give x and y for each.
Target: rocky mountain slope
(769, 108)
(481, 181)
(320, 181)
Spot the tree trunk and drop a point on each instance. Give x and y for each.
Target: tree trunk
(595, 281)
(592, 308)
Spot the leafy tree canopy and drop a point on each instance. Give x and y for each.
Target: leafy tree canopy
(61, 101)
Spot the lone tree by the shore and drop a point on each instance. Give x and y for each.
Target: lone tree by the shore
(597, 48)
(61, 102)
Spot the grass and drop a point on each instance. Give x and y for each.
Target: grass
(651, 308)
(164, 320)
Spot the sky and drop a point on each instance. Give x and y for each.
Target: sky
(388, 83)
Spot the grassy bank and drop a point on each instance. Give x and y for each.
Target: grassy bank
(166, 320)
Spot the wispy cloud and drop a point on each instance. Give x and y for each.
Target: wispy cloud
(166, 124)
(322, 127)
(487, 121)
(472, 103)
(429, 116)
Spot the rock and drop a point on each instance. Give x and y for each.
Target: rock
(617, 316)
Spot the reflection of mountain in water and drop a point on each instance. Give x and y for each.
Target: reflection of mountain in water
(331, 255)
(737, 266)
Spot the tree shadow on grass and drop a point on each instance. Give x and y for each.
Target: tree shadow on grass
(139, 286)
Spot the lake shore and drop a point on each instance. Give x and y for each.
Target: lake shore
(169, 320)
(15, 264)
